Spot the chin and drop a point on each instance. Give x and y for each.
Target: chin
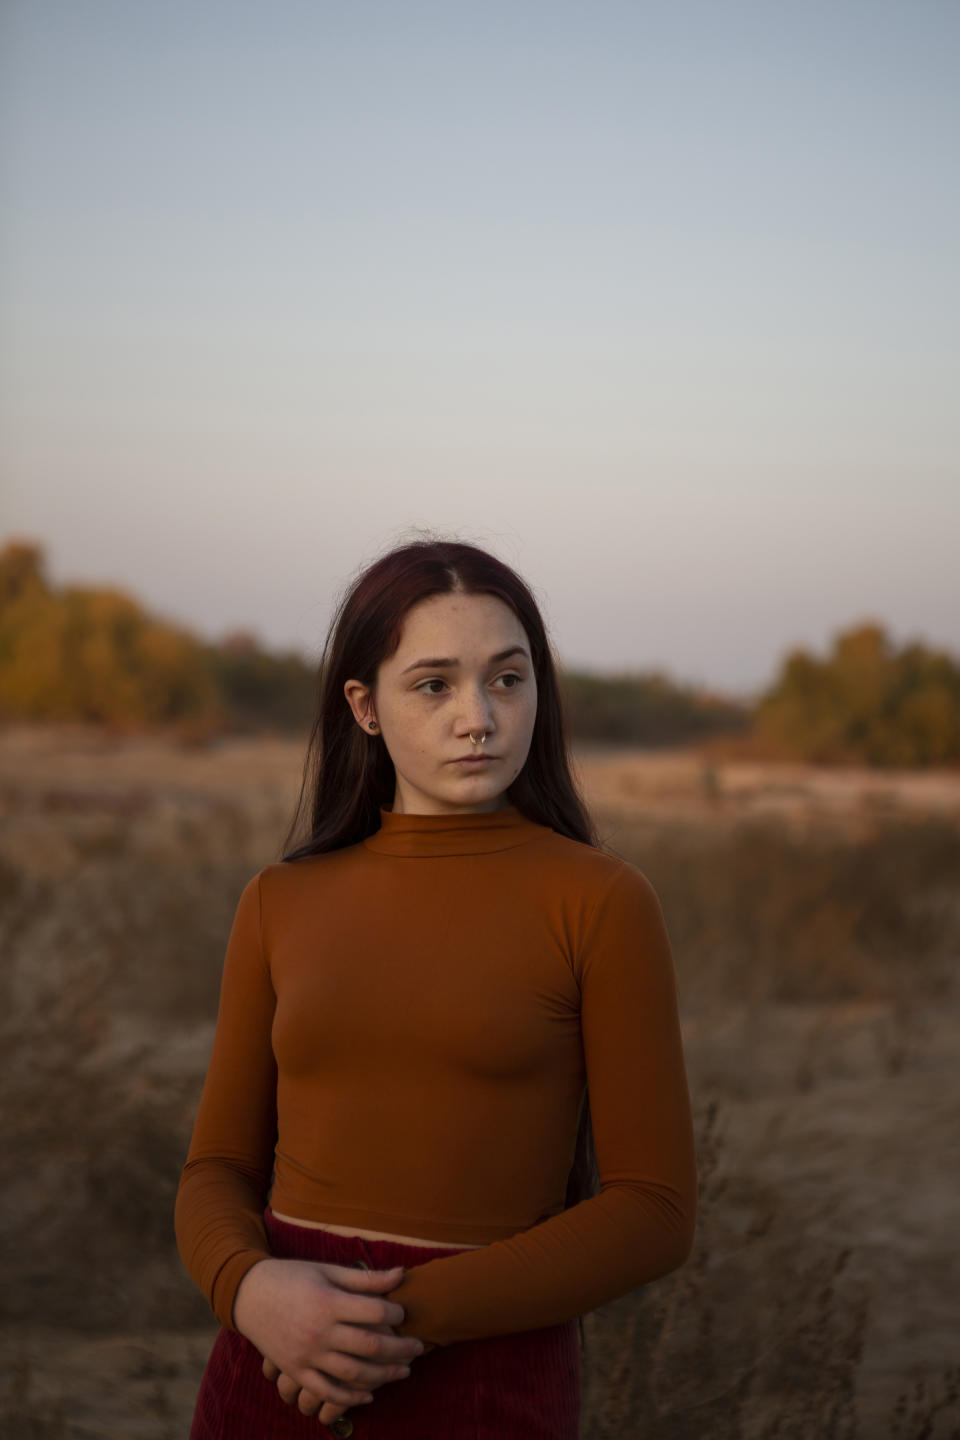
(476, 788)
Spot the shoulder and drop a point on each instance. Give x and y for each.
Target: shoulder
(612, 905)
(285, 883)
(597, 876)
(602, 902)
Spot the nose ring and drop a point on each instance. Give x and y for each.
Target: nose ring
(481, 741)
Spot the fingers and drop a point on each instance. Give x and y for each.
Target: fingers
(375, 1347)
(329, 1413)
(309, 1403)
(288, 1389)
(358, 1304)
(351, 1374)
(321, 1387)
(346, 1373)
(358, 1278)
(350, 1369)
(371, 1310)
(343, 1388)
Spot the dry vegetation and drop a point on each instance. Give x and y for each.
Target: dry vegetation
(816, 925)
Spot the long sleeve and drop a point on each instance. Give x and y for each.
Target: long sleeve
(225, 1180)
(641, 1224)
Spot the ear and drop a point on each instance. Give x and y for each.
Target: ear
(360, 700)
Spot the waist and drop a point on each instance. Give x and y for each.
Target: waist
(351, 1230)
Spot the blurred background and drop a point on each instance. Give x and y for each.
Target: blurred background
(658, 303)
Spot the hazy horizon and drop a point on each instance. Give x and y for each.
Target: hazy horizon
(660, 304)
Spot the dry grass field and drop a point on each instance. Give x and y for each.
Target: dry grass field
(815, 918)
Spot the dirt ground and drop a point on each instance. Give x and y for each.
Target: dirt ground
(815, 916)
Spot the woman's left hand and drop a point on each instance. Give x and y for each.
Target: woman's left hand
(305, 1400)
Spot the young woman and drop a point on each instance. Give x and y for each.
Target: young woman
(446, 1112)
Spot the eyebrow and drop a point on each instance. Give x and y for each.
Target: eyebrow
(442, 664)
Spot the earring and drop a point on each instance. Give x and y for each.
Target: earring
(373, 724)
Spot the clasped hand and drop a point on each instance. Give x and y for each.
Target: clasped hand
(325, 1332)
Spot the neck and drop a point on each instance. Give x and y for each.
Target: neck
(419, 807)
(466, 832)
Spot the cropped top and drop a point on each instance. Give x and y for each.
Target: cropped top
(405, 1030)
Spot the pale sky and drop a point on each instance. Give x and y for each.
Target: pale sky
(661, 302)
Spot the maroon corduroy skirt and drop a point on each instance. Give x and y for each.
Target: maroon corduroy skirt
(521, 1386)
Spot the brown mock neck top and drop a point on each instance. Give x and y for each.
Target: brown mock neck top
(406, 1026)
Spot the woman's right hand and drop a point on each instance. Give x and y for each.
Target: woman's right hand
(316, 1323)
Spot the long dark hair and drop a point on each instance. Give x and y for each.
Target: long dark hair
(348, 775)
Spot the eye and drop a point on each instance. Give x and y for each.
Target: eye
(510, 675)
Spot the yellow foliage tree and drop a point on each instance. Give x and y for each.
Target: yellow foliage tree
(94, 654)
(865, 703)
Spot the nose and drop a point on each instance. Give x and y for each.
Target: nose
(476, 715)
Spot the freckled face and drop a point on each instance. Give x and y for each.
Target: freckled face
(427, 711)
